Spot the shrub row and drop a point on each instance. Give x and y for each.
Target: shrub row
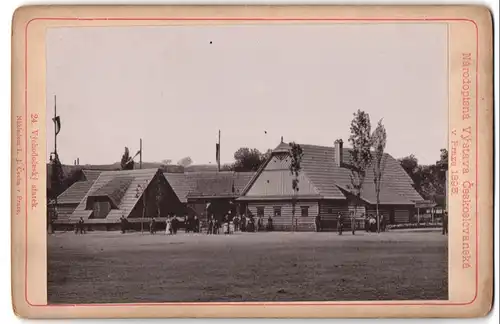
(414, 225)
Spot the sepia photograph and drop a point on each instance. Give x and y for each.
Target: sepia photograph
(247, 162)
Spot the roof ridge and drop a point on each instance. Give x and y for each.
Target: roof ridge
(256, 176)
(131, 171)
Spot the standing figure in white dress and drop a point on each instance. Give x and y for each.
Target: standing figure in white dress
(168, 228)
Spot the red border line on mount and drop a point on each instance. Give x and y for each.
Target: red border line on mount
(374, 303)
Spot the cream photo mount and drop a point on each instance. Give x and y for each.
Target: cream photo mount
(470, 139)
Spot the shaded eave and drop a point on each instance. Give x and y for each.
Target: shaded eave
(404, 201)
(91, 198)
(278, 197)
(211, 197)
(425, 204)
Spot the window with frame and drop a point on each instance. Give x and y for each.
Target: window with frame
(277, 211)
(260, 211)
(304, 211)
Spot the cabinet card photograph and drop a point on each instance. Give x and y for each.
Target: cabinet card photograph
(252, 161)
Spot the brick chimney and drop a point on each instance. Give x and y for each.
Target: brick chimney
(339, 153)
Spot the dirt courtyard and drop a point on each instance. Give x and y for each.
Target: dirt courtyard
(110, 267)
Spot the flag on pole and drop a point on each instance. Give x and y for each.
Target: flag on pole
(130, 159)
(57, 122)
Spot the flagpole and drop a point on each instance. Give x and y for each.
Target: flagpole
(56, 158)
(218, 155)
(55, 126)
(140, 154)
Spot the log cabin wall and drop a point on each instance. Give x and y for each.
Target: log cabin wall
(394, 214)
(283, 221)
(383, 211)
(329, 211)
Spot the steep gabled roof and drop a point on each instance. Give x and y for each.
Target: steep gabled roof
(208, 184)
(275, 181)
(334, 182)
(181, 183)
(140, 177)
(220, 184)
(75, 193)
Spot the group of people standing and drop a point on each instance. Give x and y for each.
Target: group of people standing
(341, 222)
(172, 225)
(191, 224)
(238, 223)
(252, 224)
(371, 223)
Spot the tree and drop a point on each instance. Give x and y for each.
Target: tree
(227, 167)
(443, 160)
(361, 156)
(412, 168)
(265, 156)
(295, 167)
(56, 186)
(166, 162)
(379, 141)
(247, 159)
(127, 163)
(428, 180)
(56, 176)
(185, 162)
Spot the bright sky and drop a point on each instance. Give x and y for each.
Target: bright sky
(176, 86)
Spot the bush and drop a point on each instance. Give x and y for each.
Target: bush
(414, 225)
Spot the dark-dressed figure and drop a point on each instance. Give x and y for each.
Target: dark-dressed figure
(236, 222)
(445, 223)
(340, 223)
(152, 226)
(317, 222)
(216, 226)
(260, 223)
(80, 226)
(210, 225)
(270, 224)
(243, 223)
(175, 224)
(188, 224)
(251, 224)
(123, 224)
(353, 223)
(196, 224)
